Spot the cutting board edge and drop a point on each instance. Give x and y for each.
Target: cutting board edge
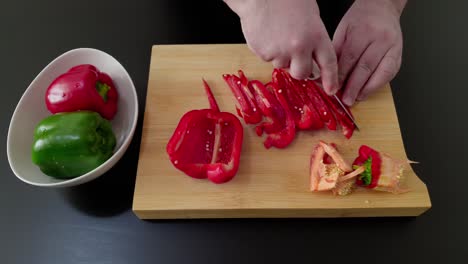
(282, 213)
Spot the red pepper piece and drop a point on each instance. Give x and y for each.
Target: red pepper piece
(346, 123)
(301, 113)
(320, 105)
(365, 152)
(242, 77)
(207, 143)
(285, 136)
(271, 108)
(83, 87)
(248, 108)
(300, 88)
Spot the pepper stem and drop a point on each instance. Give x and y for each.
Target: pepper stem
(213, 104)
(102, 89)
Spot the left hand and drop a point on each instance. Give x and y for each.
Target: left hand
(368, 44)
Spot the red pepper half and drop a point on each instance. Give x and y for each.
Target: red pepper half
(83, 87)
(207, 143)
(323, 109)
(300, 111)
(247, 108)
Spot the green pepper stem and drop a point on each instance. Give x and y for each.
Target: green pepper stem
(102, 89)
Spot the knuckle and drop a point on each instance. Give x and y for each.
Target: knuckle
(297, 45)
(389, 67)
(386, 35)
(349, 56)
(280, 63)
(318, 36)
(364, 67)
(265, 55)
(370, 28)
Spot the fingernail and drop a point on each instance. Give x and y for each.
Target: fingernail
(333, 90)
(348, 101)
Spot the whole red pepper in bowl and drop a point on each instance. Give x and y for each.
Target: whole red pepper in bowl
(83, 87)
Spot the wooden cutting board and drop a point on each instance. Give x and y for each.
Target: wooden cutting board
(270, 183)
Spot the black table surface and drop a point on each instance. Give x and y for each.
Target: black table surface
(94, 223)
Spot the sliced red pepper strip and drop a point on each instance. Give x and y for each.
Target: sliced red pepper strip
(285, 136)
(346, 123)
(248, 107)
(320, 105)
(301, 113)
(300, 89)
(211, 99)
(207, 143)
(271, 108)
(242, 77)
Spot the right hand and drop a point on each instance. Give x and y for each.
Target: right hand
(291, 35)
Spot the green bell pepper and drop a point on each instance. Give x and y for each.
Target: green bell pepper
(70, 144)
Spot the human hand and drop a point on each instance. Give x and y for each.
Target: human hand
(291, 35)
(368, 43)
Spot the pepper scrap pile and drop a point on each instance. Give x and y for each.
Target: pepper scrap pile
(284, 105)
(371, 169)
(78, 136)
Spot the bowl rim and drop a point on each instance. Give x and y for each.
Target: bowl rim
(119, 153)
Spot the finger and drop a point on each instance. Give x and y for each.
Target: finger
(363, 70)
(350, 51)
(384, 73)
(326, 60)
(339, 37)
(281, 62)
(301, 66)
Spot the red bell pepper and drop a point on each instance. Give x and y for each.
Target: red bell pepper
(207, 143)
(271, 108)
(83, 87)
(323, 109)
(285, 136)
(247, 108)
(300, 111)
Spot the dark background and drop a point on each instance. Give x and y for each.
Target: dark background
(93, 223)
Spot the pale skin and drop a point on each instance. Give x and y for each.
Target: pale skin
(363, 55)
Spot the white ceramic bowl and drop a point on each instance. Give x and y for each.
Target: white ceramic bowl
(32, 108)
